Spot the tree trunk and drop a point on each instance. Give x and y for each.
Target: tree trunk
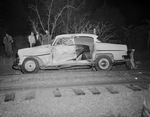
(148, 43)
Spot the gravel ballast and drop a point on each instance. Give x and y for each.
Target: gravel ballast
(125, 103)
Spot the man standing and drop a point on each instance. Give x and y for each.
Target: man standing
(7, 40)
(38, 39)
(46, 38)
(31, 39)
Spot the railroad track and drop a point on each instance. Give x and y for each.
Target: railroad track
(59, 92)
(28, 87)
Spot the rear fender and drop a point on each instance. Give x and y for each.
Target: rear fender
(106, 54)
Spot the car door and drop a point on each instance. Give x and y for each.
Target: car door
(64, 51)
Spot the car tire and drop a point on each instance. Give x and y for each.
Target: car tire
(103, 62)
(30, 65)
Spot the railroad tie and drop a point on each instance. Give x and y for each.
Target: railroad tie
(9, 97)
(133, 87)
(57, 93)
(111, 90)
(94, 91)
(143, 86)
(78, 92)
(30, 95)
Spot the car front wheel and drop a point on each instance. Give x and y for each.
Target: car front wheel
(103, 63)
(30, 65)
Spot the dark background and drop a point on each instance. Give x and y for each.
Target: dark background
(14, 18)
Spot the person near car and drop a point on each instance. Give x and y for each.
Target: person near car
(38, 39)
(31, 39)
(46, 38)
(7, 40)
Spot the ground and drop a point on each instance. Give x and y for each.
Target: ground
(71, 93)
(47, 102)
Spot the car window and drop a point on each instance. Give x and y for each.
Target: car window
(85, 40)
(84, 37)
(64, 41)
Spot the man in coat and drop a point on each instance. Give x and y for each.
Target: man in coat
(46, 38)
(7, 40)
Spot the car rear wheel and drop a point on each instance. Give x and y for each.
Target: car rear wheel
(103, 63)
(30, 65)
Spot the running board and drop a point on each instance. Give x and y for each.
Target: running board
(66, 67)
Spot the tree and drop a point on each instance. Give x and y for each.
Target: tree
(109, 21)
(105, 31)
(148, 39)
(2, 24)
(1, 19)
(71, 16)
(46, 14)
(128, 34)
(109, 14)
(75, 20)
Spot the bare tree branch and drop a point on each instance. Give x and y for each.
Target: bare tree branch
(105, 31)
(49, 14)
(35, 8)
(57, 17)
(34, 24)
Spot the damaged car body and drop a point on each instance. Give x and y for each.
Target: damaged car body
(71, 50)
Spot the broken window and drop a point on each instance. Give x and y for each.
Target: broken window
(65, 41)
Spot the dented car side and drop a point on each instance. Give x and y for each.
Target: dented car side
(71, 50)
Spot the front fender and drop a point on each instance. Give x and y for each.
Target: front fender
(41, 63)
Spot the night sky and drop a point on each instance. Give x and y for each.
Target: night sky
(15, 21)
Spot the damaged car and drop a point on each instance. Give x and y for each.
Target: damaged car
(72, 50)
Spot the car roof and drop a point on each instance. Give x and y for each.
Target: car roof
(79, 34)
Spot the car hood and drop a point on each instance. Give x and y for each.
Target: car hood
(35, 51)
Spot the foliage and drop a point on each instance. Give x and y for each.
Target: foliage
(136, 37)
(71, 17)
(105, 31)
(109, 14)
(109, 22)
(128, 34)
(75, 20)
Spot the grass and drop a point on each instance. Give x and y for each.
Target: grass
(6, 65)
(4, 61)
(142, 60)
